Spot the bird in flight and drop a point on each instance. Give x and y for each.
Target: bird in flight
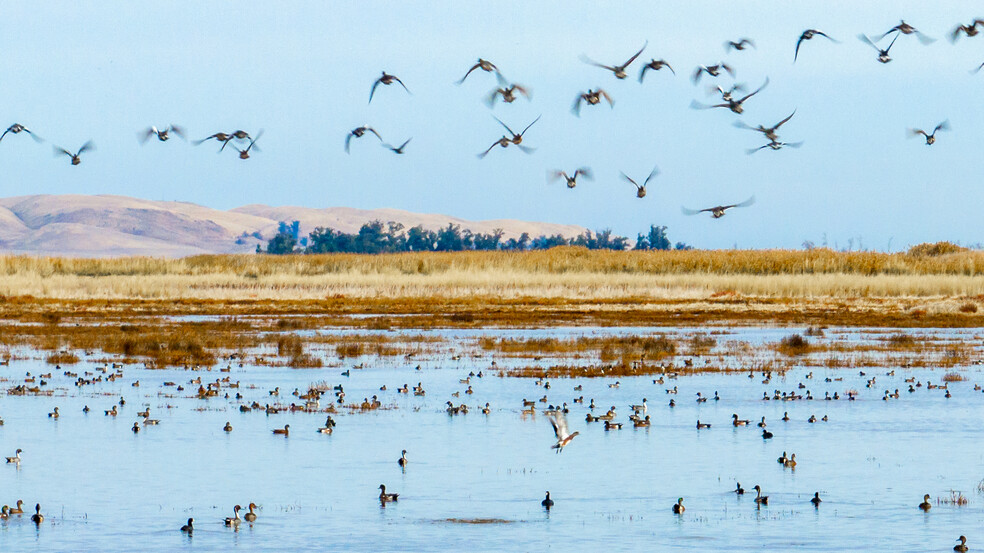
(88, 146)
(769, 132)
(564, 436)
(969, 30)
(906, 29)
(655, 65)
(244, 154)
(386, 79)
(17, 128)
(740, 45)
(712, 70)
(358, 133)
(162, 135)
(807, 35)
(775, 145)
(641, 189)
(508, 94)
(882, 54)
(618, 70)
(591, 97)
(572, 180)
(484, 65)
(718, 211)
(737, 106)
(930, 137)
(517, 139)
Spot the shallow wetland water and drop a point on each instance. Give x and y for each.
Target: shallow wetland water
(475, 481)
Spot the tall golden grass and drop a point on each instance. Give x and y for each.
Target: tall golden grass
(566, 272)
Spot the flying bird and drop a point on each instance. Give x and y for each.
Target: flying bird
(564, 436)
(17, 128)
(969, 30)
(618, 70)
(712, 70)
(591, 97)
(907, 29)
(484, 65)
(740, 45)
(517, 139)
(930, 137)
(726, 95)
(807, 35)
(882, 54)
(400, 149)
(737, 106)
(769, 132)
(386, 79)
(718, 211)
(655, 65)
(162, 135)
(508, 94)
(572, 180)
(358, 133)
(75, 157)
(641, 190)
(775, 145)
(244, 154)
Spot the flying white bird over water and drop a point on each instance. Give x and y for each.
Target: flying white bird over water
(564, 436)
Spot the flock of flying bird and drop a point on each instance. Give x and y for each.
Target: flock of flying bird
(243, 143)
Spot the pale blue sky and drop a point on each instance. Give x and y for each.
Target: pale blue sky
(74, 71)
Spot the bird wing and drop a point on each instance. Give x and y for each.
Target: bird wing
(559, 423)
(576, 108)
(555, 175)
(4, 134)
(486, 152)
(746, 203)
(728, 68)
(765, 84)
(474, 67)
(917, 132)
(944, 126)
(798, 42)
(697, 74)
(348, 141)
(373, 131)
(652, 174)
(530, 125)
(628, 178)
(742, 125)
(490, 99)
(397, 79)
(145, 135)
(373, 89)
(86, 147)
(753, 150)
(606, 97)
(891, 43)
(526, 149)
(590, 61)
(633, 58)
(793, 144)
(404, 145)
(687, 211)
(586, 171)
(523, 90)
(642, 73)
(783, 122)
(504, 125)
(179, 131)
(863, 38)
(59, 150)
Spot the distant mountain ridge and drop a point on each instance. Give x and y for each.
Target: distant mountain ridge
(106, 226)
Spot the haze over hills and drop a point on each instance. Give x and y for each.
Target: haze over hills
(104, 225)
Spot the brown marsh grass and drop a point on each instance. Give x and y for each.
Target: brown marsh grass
(566, 272)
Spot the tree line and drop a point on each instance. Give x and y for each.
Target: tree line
(378, 237)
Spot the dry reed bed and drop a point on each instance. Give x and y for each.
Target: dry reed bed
(567, 272)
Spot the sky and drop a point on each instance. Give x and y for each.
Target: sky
(74, 71)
